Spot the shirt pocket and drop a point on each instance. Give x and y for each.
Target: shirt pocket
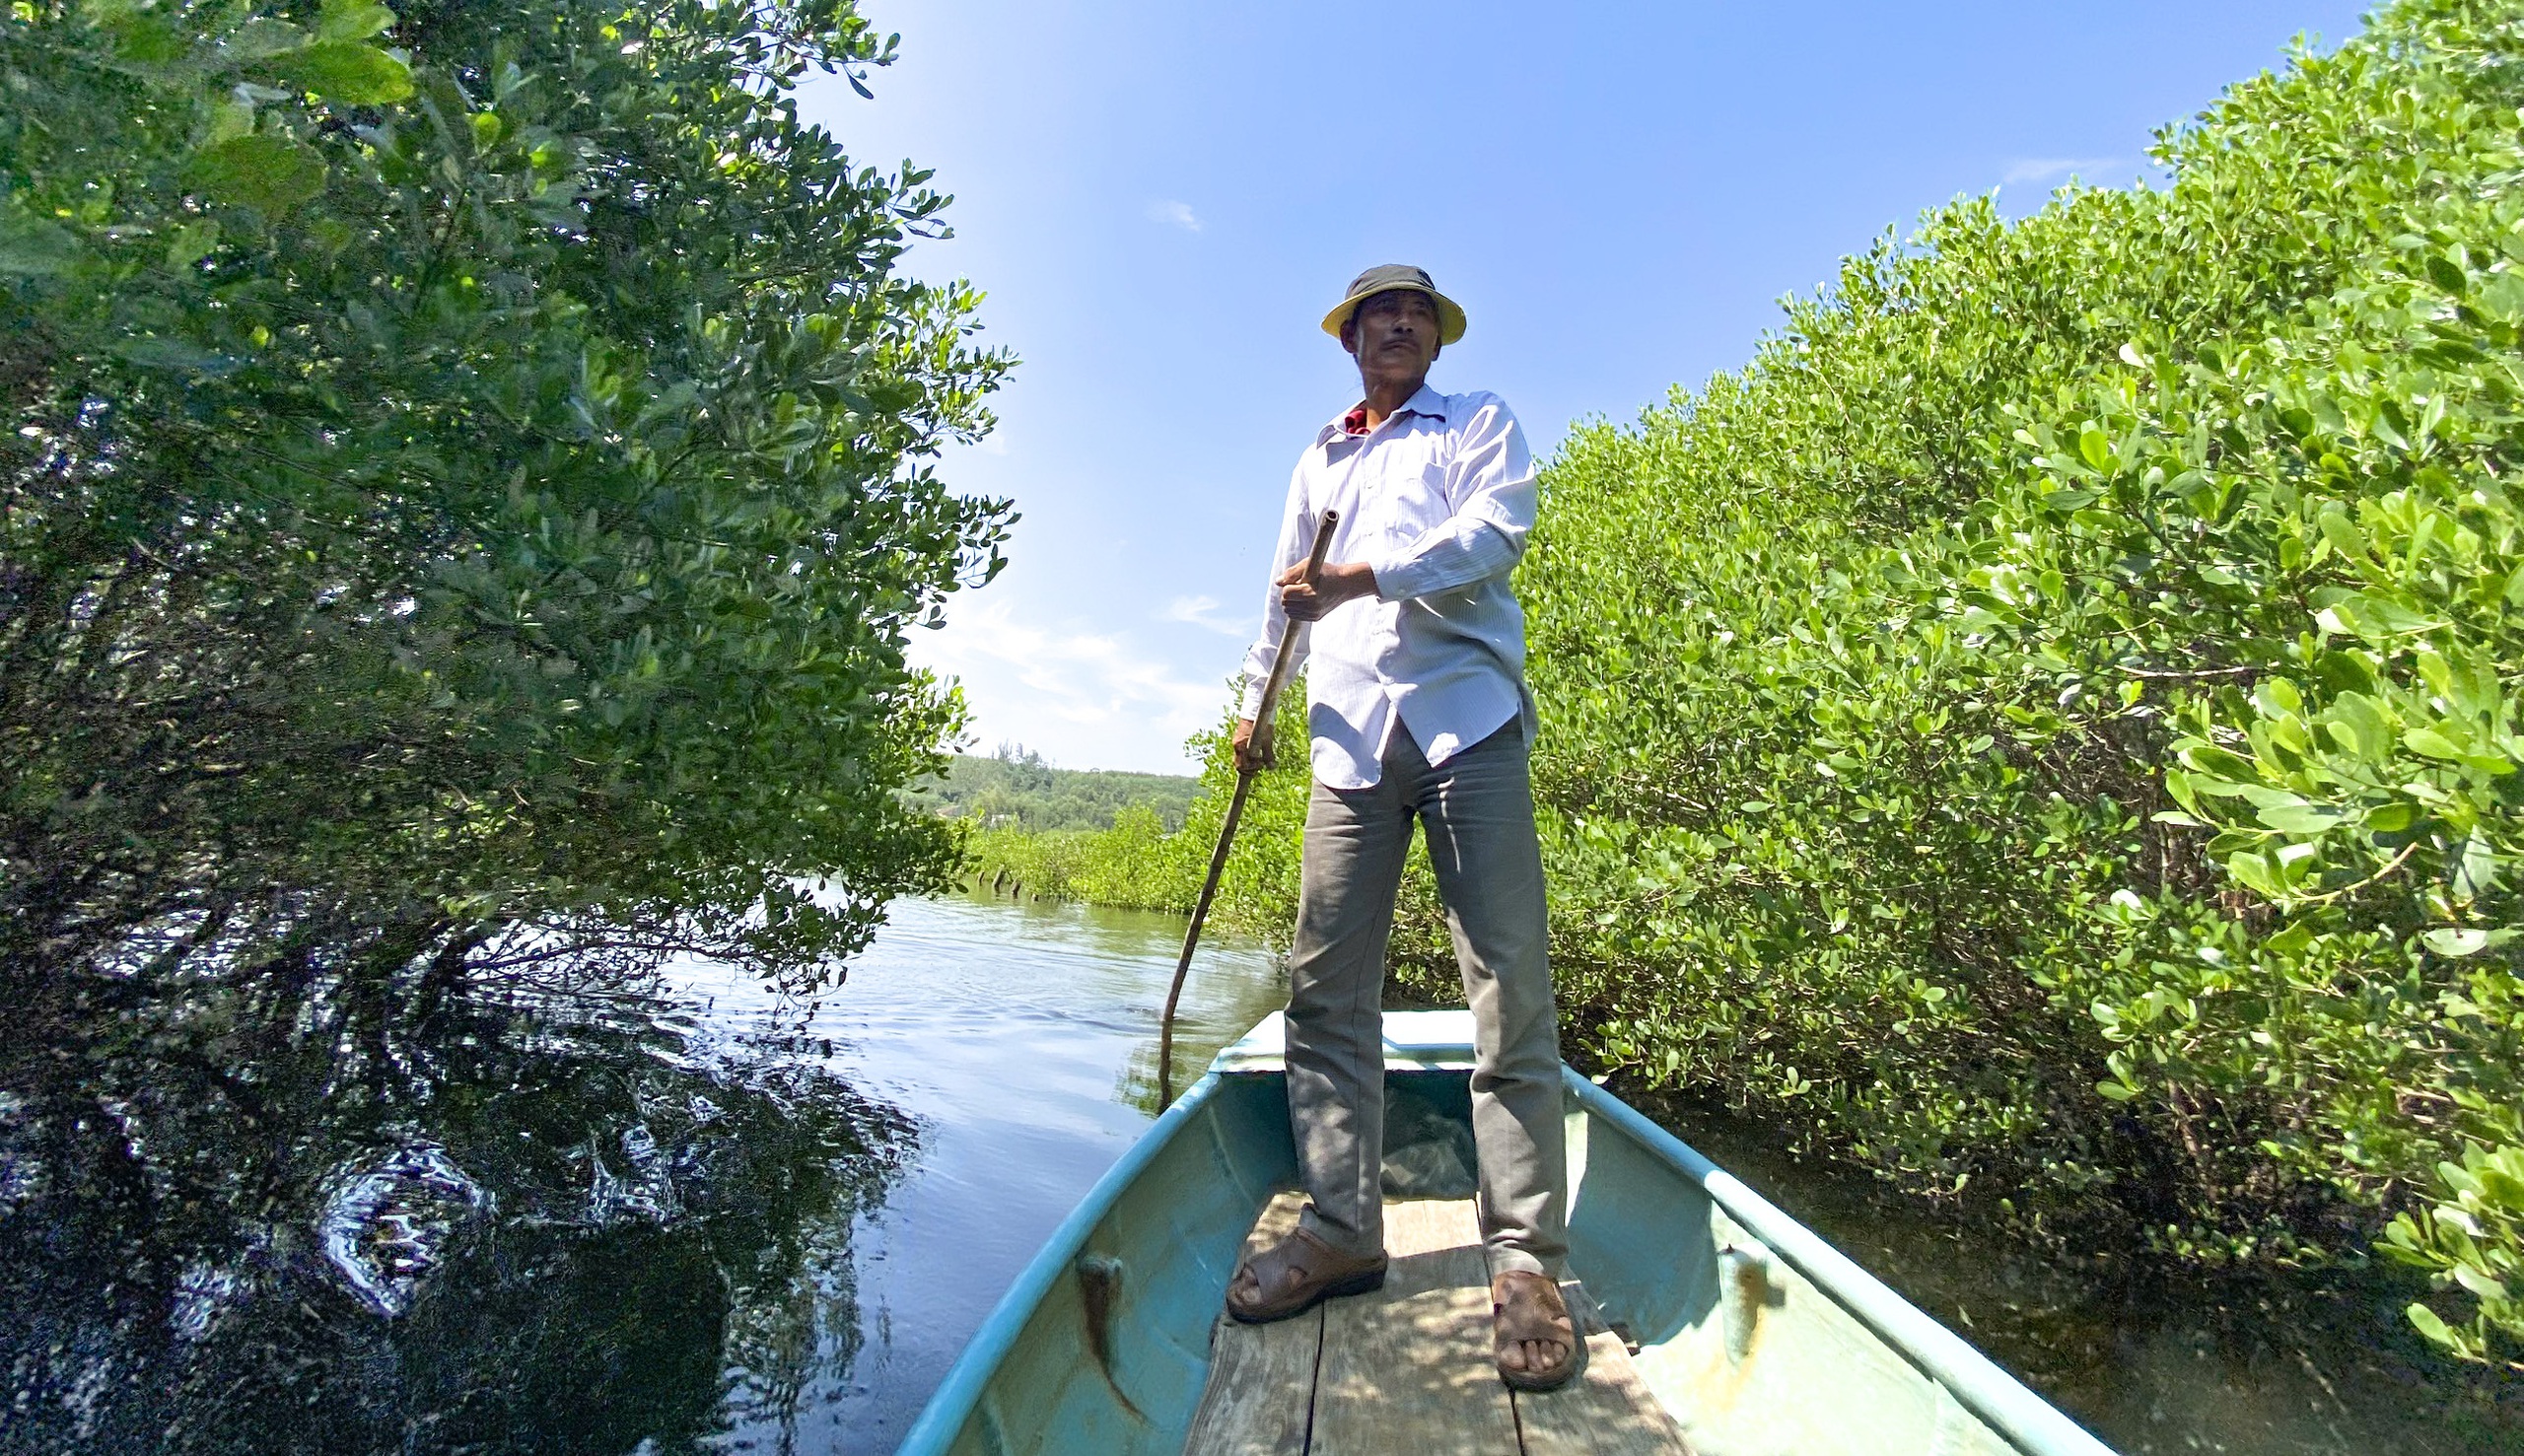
(1415, 499)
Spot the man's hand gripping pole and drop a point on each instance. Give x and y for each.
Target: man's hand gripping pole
(1246, 766)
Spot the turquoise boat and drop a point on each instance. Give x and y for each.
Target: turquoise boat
(1717, 1324)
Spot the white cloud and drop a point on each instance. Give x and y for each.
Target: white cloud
(1179, 214)
(1085, 698)
(1199, 610)
(2046, 169)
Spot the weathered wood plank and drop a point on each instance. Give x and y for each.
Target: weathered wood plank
(1607, 1411)
(1430, 1226)
(1278, 1219)
(1260, 1390)
(1408, 1368)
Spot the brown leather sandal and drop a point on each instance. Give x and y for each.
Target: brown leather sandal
(1295, 1274)
(1526, 1309)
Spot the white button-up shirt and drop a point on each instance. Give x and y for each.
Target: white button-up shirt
(1436, 501)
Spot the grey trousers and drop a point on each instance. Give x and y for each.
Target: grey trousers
(1478, 811)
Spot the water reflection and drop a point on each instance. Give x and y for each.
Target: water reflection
(1025, 1038)
(678, 1217)
(270, 1221)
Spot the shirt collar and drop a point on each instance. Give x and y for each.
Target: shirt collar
(1423, 401)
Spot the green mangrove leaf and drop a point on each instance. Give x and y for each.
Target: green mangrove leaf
(261, 39)
(181, 355)
(148, 41)
(266, 171)
(2219, 763)
(2428, 1323)
(349, 72)
(192, 242)
(2300, 820)
(2456, 942)
(2430, 743)
(32, 246)
(352, 20)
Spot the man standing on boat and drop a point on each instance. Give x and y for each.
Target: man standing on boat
(1417, 709)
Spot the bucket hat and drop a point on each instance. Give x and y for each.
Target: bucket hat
(1385, 278)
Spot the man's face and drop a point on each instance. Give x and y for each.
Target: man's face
(1394, 335)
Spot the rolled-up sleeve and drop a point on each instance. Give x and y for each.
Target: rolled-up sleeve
(1296, 537)
(1490, 491)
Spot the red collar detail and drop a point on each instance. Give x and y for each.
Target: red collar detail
(1355, 422)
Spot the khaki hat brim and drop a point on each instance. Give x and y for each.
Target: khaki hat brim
(1450, 319)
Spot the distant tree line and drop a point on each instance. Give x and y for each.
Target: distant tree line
(1144, 861)
(1016, 788)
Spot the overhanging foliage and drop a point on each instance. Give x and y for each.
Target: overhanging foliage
(467, 470)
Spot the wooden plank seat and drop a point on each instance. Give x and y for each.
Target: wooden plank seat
(1408, 1368)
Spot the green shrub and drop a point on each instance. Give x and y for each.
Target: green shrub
(1137, 865)
(466, 471)
(1859, 772)
(2473, 1238)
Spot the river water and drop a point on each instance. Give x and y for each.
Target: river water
(693, 1215)
(1023, 1041)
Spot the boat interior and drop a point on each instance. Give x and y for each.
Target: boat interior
(1701, 1339)
(1407, 1366)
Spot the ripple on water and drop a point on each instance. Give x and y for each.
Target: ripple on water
(384, 1221)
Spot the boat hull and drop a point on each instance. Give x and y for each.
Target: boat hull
(1073, 1362)
(1755, 1335)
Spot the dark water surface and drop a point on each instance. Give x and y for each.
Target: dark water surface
(698, 1217)
(694, 1218)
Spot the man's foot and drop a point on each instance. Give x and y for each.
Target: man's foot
(1532, 1338)
(1295, 1276)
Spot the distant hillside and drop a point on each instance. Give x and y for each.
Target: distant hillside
(1016, 788)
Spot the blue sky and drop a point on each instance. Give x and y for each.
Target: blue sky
(1161, 199)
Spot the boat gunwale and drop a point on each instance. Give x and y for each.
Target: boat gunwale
(959, 1395)
(1977, 1382)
